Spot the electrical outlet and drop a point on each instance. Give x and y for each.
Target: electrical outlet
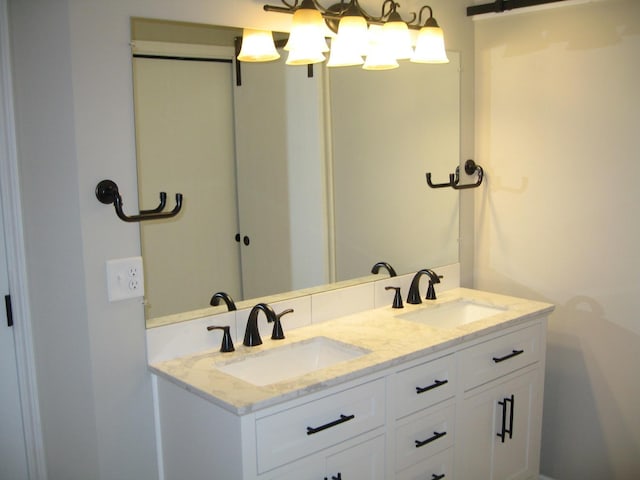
(125, 278)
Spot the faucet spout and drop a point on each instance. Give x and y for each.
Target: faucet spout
(251, 333)
(414, 290)
(376, 268)
(215, 300)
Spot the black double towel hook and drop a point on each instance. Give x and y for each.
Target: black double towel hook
(107, 192)
(470, 168)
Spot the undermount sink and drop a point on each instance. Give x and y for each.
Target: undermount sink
(452, 314)
(290, 361)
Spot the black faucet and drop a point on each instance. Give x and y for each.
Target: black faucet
(414, 289)
(251, 333)
(215, 300)
(376, 268)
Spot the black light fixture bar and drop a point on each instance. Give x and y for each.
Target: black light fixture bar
(500, 6)
(335, 12)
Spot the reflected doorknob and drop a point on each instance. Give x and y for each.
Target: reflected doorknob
(246, 240)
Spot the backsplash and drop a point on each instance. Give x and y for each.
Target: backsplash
(183, 338)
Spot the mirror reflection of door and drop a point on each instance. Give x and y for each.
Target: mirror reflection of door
(185, 143)
(281, 178)
(239, 180)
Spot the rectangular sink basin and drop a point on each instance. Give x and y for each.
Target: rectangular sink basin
(452, 314)
(290, 361)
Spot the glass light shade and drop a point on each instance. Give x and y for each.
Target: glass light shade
(257, 46)
(430, 46)
(353, 33)
(304, 57)
(374, 37)
(307, 31)
(342, 54)
(396, 36)
(380, 57)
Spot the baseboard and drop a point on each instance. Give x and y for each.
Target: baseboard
(543, 477)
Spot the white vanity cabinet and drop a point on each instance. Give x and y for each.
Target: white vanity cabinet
(500, 407)
(470, 410)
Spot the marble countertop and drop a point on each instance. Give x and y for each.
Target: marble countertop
(389, 339)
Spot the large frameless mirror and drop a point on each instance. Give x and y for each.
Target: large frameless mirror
(292, 177)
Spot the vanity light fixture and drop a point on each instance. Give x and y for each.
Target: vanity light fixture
(257, 46)
(395, 35)
(356, 35)
(307, 44)
(430, 43)
(380, 55)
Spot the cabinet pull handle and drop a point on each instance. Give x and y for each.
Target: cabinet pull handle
(437, 477)
(342, 419)
(435, 384)
(436, 435)
(511, 410)
(505, 403)
(514, 353)
(502, 432)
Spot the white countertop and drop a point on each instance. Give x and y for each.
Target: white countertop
(390, 340)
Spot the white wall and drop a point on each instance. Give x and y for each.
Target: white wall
(73, 98)
(557, 128)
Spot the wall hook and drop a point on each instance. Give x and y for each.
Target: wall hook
(452, 180)
(470, 168)
(107, 192)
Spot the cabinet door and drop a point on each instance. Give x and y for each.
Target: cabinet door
(499, 430)
(362, 462)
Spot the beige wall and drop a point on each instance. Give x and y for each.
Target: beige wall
(558, 130)
(74, 120)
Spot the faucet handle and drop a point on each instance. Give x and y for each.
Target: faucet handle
(227, 343)
(397, 298)
(431, 291)
(278, 333)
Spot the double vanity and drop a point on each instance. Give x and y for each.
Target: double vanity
(449, 388)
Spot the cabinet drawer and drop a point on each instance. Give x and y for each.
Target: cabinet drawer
(439, 466)
(424, 385)
(299, 431)
(365, 460)
(421, 437)
(492, 359)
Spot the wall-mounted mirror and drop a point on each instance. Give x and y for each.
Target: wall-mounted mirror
(292, 178)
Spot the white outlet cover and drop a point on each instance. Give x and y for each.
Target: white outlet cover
(125, 278)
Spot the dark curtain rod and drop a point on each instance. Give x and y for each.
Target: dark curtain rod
(177, 57)
(503, 5)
